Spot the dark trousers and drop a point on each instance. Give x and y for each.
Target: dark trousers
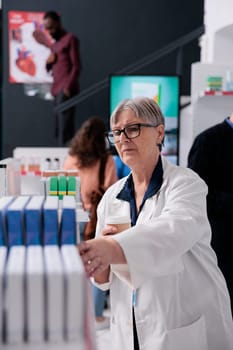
(68, 120)
(227, 270)
(135, 334)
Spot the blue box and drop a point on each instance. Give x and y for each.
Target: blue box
(33, 221)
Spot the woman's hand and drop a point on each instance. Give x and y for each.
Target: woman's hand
(97, 255)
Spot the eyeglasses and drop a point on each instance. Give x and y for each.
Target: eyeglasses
(130, 131)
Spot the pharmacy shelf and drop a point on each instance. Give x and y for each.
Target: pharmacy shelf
(216, 93)
(40, 346)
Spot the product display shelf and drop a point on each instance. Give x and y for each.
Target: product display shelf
(216, 93)
(209, 106)
(77, 345)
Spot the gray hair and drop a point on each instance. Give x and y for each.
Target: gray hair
(144, 108)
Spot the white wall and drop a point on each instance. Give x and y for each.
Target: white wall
(217, 43)
(216, 60)
(218, 14)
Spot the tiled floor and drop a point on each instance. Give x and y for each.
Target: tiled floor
(103, 336)
(103, 339)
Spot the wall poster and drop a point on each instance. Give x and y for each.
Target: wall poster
(28, 47)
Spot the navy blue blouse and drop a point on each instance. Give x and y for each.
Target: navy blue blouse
(127, 192)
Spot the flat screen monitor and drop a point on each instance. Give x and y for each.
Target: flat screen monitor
(165, 90)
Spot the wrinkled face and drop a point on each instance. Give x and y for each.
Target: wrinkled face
(141, 149)
(53, 27)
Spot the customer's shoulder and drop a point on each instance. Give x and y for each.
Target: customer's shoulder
(213, 132)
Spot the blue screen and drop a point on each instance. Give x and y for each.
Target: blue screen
(164, 90)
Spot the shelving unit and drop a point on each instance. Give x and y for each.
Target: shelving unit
(56, 346)
(216, 93)
(207, 107)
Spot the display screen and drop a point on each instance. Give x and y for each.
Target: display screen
(165, 91)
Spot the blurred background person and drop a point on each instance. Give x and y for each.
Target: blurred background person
(211, 157)
(65, 64)
(90, 155)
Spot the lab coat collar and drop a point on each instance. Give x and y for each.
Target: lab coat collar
(127, 192)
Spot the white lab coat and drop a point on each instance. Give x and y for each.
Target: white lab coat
(182, 301)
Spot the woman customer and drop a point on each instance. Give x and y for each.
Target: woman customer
(166, 289)
(89, 154)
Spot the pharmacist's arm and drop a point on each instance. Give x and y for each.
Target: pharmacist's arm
(97, 255)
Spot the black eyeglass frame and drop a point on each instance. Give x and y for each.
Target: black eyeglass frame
(139, 125)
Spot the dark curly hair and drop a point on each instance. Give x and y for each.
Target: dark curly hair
(89, 142)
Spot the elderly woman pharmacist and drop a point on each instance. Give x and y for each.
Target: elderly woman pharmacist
(167, 292)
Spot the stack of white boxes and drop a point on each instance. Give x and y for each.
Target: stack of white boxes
(44, 294)
(9, 177)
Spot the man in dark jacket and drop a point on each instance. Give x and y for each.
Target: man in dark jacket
(211, 157)
(64, 62)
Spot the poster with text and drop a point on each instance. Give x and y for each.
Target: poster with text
(29, 48)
